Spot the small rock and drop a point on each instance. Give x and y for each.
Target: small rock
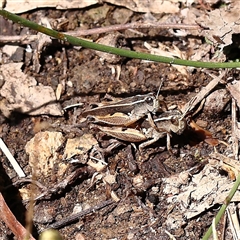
(43, 155)
(18, 55)
(216, 101)
(9, 49)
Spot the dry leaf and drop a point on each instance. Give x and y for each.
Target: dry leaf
(231, 166)
(24, 5)
(165, 51)
(204, 134)
(220, 23)
(206, 189)
(154, 6)
(21, 94)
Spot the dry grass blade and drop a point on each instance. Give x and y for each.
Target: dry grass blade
(234, 222)
(203, 93)
(11, 159)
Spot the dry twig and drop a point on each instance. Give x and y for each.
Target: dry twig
(235, 130)
(63, 184)
(203, 93)
(75, 217)
(27, 39)
(134, 25)
(233, 220)
(9, 219)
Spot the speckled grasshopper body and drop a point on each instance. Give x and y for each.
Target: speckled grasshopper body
(118, 119)
(164, 124)
(127, 111)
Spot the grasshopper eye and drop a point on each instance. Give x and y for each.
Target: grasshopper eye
(175, 121)
(91, 118)
(149, 100)
(162, 106)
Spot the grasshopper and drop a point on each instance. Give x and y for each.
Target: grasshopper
(127, 111)
(164, 124)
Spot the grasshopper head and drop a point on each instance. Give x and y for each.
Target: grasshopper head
(154, 104)
(178, 125)
(150, 103)
(159, 106)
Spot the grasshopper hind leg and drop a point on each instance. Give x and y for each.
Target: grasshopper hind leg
(155, 139)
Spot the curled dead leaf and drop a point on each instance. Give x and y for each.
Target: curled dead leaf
(204, 134)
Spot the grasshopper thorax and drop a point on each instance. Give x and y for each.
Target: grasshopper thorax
(171, 121)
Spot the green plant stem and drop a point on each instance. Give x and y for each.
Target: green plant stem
(122, 52)
(223, 208)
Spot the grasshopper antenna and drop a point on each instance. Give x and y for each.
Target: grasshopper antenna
(162, 104)
(188, 108)
(160, 86)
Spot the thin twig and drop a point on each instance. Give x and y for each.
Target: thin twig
(235, 130)
(233, 220)
(72, 218)
(203, 93)
(25, 181)
(134, 25)
(10, 220)
(58, 188)
(26, 39)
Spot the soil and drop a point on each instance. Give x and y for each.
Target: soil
(142, 210)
